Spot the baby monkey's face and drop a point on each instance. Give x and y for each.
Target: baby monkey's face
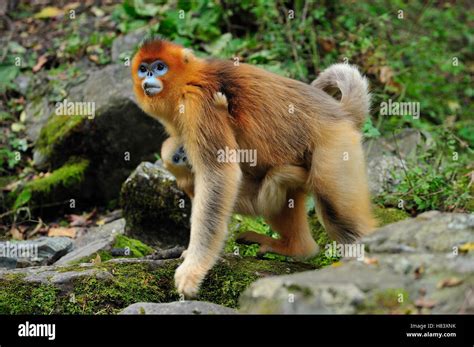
(179, 157)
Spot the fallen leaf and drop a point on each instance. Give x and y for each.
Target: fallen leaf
(48, 12)
(12, 186)
(69, 232)
(328, 45)
(23, 116)
(467, 247)
(371, 261)
(94, 58)
(419, 271)
(450, 120)
(449, 282)
(101, 222)
(83, 220)
(97, 11)
(41, 61)
(17, 127)
(72, 6)
(386, 74)
(97, 260)
(16, 233)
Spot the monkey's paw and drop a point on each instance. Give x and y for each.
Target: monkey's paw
(220, 100)
(188, 278)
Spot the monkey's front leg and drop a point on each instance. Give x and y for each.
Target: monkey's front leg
(215, 194)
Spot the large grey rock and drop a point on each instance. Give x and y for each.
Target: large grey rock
(41, 251)
(430, 232)
(124, 46)
(115, 141)
(59, 276)
(415, 265)
(386, 158)
(156, 211)
(96, 239)
(37, 113)
(177, 307)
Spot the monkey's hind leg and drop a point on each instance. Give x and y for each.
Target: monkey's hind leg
(291, 223)
(339, 183)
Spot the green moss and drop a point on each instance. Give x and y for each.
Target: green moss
(55, 130)
(389, 215)
(470, 204)
(135, 282)
(392, 300)
(137, 248)
(232, 276)
(69, 175)
(131, 283)
(322, 239)
(20, 297)
(306, 292)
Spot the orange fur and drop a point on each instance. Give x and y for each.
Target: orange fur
(288, 123)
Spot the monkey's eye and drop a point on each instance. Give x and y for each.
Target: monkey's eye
(142, 71)
(160, 68)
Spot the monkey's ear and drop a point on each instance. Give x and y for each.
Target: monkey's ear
(188, 55)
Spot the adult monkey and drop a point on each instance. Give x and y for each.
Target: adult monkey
(286, 121)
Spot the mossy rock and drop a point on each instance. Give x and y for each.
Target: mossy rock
(113, 285)
(129, 248)
(54, 190)
(155, 210)
(389, 215)
(114, 140)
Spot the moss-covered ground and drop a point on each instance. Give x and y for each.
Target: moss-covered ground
(134, 282)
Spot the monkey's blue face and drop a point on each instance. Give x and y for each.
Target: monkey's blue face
(149, 74)
(179, 157)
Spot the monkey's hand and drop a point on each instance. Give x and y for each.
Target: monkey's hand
(220, 101)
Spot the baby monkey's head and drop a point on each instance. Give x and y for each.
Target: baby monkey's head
(159, 71)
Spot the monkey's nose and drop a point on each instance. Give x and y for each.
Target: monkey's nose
(151, 87)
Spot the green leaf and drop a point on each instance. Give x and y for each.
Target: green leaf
(7, 75)
(22, 199)
(369, 130)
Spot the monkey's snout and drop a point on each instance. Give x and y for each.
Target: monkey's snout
(152, 88)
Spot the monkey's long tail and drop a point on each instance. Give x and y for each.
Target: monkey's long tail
(353, 86)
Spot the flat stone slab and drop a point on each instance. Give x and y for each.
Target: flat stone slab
(177, 307)
(95, 240)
